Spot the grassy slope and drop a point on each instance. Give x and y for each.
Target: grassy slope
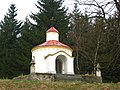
(58, 85)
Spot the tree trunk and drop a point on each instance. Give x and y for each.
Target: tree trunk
(77, 59)
(96, 53)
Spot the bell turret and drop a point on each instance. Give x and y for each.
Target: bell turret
(52, 34)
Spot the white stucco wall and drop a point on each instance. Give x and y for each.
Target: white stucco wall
(45, 60)
(68, 66)
(52, 36)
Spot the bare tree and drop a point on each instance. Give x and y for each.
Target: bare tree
(93, 7)
(117, 3)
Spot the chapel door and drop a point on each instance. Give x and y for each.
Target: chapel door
(58, 66)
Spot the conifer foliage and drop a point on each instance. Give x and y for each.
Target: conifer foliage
(11, 60)
(51, 13)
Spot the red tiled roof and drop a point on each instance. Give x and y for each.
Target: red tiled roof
(53, 43)
(52, 29)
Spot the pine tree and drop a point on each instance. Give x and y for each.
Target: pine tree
(51, 13)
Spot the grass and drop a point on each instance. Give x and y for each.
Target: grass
(57, 85)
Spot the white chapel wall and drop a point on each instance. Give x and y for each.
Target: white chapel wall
(52, 36)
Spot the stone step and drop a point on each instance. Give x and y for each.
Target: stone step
(69, 77)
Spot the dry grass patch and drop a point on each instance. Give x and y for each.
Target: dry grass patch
(57, 85)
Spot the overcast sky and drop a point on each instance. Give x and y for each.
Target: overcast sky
(25, 7)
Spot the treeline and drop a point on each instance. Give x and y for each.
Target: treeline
(94, 39)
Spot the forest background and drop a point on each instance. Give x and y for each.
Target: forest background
(94, 35)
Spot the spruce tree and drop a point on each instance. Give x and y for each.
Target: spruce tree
(51, 13)
(10, 28)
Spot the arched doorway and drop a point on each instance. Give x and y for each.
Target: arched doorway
(60, 65)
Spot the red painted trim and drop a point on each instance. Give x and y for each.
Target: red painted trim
(52, 29)
(53, 43)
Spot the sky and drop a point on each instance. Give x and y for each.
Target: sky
(25, 7)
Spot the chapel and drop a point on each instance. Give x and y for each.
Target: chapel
(52, 56)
